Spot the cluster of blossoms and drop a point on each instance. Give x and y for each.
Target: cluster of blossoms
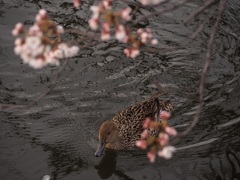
(113, 26)
(41, 45)
(160, 144)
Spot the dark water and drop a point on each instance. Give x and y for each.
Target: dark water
(58, 137)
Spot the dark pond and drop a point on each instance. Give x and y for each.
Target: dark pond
(58, 137)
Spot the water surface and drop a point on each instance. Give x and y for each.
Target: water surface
(58, 137)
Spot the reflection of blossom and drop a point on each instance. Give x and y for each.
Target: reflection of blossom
(166, 152)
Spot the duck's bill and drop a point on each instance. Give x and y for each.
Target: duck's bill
(100, 149)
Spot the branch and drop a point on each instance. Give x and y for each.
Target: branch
(161, 11)
(13, 106)
(205, 70)
(199, 11)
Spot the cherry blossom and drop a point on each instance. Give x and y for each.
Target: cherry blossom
(165, 115)
(96, 12)
(77, 3)
(107, 4)
(120, 33)
(171, 131)
(19, 28)
(93, 23)
(154, 41)
(147, 123)
(167, 152)
(132, 52)
(37, 48)
(125, 14)
(145, 134)
(151, 156)
(141, 144)
(163, 139)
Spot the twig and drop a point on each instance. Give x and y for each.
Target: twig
(198, 30)
(205, 71)
(199, 11)
(161, 11)
(54, 84)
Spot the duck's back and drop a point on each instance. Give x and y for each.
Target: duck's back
(130, 121)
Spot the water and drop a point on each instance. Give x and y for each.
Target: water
(58, 137)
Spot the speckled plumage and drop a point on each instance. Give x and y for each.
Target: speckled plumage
(130, 121)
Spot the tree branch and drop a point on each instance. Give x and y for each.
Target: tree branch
(205, 71)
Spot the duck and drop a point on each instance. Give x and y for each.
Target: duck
(125, 128)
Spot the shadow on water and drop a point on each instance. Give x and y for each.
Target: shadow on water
(59, 136)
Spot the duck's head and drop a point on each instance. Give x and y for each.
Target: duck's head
(108, 134)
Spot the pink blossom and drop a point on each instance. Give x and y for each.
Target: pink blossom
(60, 29)
(144, 37)
(120, 33)
(96, 12)
(42, 14)
(154, 42)
(18, 42)
(132, 52)
(77, 3)
(19, 28)
(18, 50)
(105, 36)
(37, 63)
(107, 4)
(147, 123)
(93, 23)
(35, 30)
(151, 156)
(166, 152)
(142, 144)
(135, 53)
(145, 134)
(106, 26)
(145, 2)
(165, 115)
(171, 131)
(140, 31)
(68, 51)
(125, 14)
(163, 139)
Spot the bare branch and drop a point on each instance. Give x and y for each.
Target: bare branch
(199, 11)
(161, 11)
(205, 70)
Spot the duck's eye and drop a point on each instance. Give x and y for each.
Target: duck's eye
(108, 133)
